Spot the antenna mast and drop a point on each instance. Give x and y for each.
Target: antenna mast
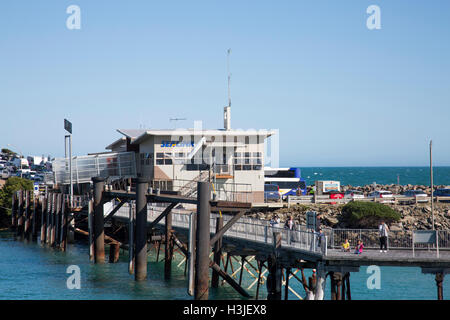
(229, 76)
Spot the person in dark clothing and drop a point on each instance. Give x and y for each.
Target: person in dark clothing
(383, 230)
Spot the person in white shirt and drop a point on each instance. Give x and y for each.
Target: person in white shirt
(384, 232)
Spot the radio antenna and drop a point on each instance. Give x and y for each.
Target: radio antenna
(229, 76)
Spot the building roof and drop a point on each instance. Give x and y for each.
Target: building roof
(207, 132)
(119, 141)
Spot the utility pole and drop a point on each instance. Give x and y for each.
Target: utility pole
(431, 182)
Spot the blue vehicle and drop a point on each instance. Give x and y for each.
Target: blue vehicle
(288, 180)
(271, 193)
(442, 193)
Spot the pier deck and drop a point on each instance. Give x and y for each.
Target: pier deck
(397, 258)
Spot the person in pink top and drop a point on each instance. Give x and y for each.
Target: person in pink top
(359, 248)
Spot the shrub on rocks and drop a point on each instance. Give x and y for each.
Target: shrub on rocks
(368, 214)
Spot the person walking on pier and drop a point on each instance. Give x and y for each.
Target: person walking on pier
(383, 230)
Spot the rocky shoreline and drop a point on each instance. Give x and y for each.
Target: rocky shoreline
(413, 216)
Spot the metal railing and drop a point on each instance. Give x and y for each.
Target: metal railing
(398, 239)
(84, 168)
(397, 199)
(238, 192)
(250, 229)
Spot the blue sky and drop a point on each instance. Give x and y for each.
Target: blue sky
(340, 94)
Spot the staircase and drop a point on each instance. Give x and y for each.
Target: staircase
(190, 188)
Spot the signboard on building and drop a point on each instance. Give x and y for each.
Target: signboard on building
(68, 126)
(326, 186)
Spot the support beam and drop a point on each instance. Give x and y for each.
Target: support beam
(162, 215)
(99, 233)
(141, 230)
(347, 283)
(259, 279)
(114, 211)
(201, 290)
(217, 254)
(228, 279)
(229, 224)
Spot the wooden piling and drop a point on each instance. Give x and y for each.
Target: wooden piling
(99, 233)
(57, 223)
(43, 211)
(19, 230)
(333, 286)
(91, 230)
(347, 283)
(114, 252)
(53, 220)
(35, 218)
(141, 230)
(274, 278)
(439, 281)
(338, 279)
(286, 284)
(14, 210)
(217, 254)
(64, 224)
(48, 218)
(168, 248)
(201, 290)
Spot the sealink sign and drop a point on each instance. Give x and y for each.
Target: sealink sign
(172, 144)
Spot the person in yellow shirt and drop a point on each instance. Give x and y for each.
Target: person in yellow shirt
(346, 246)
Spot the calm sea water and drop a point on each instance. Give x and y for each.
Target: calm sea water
(358, 176)
(30, 271)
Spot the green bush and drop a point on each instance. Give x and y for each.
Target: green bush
(12, 185)
(368, 214)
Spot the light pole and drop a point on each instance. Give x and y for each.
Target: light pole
(68, 128)
(431, 182)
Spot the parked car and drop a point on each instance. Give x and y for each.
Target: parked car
(271, 192)
(354, 194)
(387, 196)
(419, 195)
(5, 174)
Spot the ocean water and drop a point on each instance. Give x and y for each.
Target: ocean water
(359, 176)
